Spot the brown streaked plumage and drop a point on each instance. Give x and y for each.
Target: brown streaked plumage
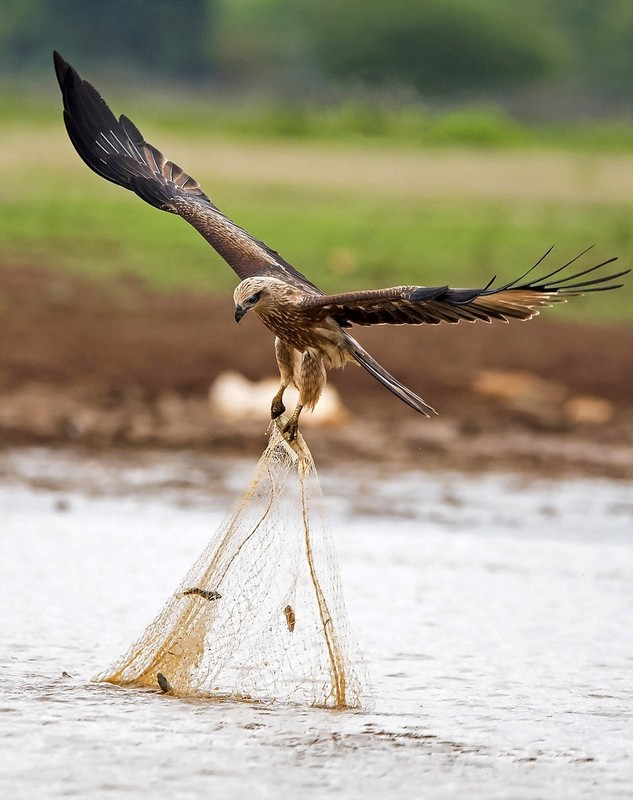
(309, 325)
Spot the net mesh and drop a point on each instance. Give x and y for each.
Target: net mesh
(260, 615)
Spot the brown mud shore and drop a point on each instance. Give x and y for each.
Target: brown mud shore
(105, 364)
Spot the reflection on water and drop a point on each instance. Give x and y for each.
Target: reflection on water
(494, 614)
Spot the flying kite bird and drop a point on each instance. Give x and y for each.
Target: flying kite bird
(310, 326)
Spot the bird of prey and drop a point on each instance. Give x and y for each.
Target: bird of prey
(310, 326)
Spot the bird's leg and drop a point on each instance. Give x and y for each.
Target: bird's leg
(309, 379)
(292, 426)
(285, 361)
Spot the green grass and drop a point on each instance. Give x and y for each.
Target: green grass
(341, 240)
(55, 213)
(201, 115)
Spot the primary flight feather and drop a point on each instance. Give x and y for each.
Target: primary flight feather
(309, 325)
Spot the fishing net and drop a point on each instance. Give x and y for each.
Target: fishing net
(260, 615)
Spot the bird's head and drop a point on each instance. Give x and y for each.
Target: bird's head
(252, 293)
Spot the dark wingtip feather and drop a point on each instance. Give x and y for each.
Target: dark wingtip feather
(61, 67)
(113, 149)
(564, 285)
(513, 283)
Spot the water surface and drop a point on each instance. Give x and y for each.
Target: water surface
(494, 613)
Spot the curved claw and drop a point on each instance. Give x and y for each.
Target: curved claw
(291, 429)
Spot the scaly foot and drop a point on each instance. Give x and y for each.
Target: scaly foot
(291, 430)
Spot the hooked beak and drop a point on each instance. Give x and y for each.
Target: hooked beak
(239, 312)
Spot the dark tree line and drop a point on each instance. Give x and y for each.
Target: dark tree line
(164, 37)
(439, 47)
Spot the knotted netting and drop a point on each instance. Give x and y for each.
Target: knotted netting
(260, 616)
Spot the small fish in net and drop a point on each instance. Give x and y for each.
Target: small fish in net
(290, 618)
(164, 684)
(229, 630)
(206, 593)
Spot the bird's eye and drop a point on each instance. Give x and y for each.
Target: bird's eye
(250, 301)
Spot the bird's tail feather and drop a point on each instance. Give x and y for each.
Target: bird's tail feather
(366, 361)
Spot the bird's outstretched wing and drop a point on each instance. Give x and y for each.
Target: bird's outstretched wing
(415, 305)
(116, 150)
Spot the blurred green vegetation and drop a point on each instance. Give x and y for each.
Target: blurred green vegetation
(200, 115)
(491, 50)
(340, 240)
(161, 37)
(59, 215)
(342, 77)
(358, 122)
